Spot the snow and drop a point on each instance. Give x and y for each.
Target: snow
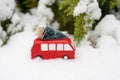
(80, 8)
(16, 18)
(46, 2)
(101, 63)
(55, 25)
(3, 35)
(91, 11)
(42, 15)
(6, 10)
(108, 26)
(89, 7)
(17, 23)
(44, 11)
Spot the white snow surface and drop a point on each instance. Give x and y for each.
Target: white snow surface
(102, 63)
(3, 35)
(108, 26)
(6, 9)
(16, 18)
(46, 2)
(42, 15)
(90, 7)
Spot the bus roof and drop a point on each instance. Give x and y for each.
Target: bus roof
(65, 40)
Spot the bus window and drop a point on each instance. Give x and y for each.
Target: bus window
(59, 47)
(67, 47)
(52, 47)
(44, 47)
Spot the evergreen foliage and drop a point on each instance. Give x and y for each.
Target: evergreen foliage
(117, 10)
(69, 5)
(79, 31)
(4, 36)
(107, 5)
(66, 22)
(63, 11)
(8, 28)
(25, 5)
(5, 33)
(5, 24)
(78, 21)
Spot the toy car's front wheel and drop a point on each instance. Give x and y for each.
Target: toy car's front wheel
(65, 57)
(39, 57)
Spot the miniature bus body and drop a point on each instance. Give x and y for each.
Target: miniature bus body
(50, 49)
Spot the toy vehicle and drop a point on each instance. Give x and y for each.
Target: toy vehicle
(50, 49)
(52, 44)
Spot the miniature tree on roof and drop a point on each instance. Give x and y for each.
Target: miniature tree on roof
(50, 34)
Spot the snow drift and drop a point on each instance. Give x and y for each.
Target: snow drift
(108, 26)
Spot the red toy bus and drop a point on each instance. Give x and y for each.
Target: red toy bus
(50, 49)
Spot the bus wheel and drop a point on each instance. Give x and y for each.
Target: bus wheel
(39, 57)
(65, 57)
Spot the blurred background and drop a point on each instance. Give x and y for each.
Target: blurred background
(15, 14)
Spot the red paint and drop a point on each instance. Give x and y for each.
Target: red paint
(60, 48)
